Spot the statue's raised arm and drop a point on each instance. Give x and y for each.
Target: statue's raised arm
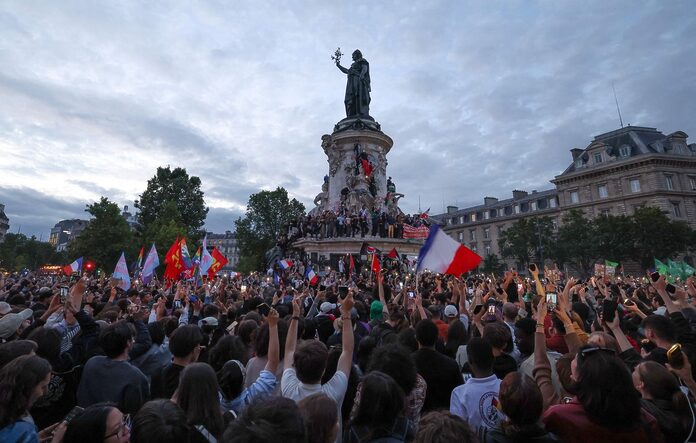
(358, 89)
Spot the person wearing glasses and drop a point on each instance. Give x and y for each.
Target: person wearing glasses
(99, 423)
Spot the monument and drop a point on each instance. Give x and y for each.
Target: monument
(357, 178)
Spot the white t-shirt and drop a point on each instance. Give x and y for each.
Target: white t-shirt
(476, 402)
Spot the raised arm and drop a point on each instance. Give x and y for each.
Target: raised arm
(341, 68)
(273, 342)
(291, 340)
(380, 291)
(345, 361)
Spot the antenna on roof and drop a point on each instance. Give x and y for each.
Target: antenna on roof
(617, 104)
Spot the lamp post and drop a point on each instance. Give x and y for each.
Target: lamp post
(541, 247)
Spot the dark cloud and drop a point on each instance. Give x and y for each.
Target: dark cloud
(478, 100)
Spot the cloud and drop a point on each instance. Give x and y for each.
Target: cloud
(478, 100)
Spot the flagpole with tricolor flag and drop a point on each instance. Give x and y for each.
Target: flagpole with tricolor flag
(151, 263)
(441, 253)
(75, 266)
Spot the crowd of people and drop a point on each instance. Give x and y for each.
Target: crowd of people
(346, 223)
(386, 357)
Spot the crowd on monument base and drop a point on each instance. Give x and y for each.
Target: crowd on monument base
(383, 357)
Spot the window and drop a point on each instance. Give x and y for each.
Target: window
(517, 209)
(602, 191)
(454, 220)
(605, 212)
(487, 233)
(508, 209)
(461, 219)
(494, 213)
(552, 202)
(488, 249)
(669, 182)
(534, 206)
(501, 228)
(472, 235)
(692, 183)
(486, 215)
(676, 210)
(597, 158)
(524, 207)
(635, 185)
(461, 236)
(578, 163)
(574, 197)
(473, 247)
(473, 217)
(625, 151)
(479, 216)
(541, 204)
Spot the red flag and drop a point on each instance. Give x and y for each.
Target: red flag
(218, 264)
(376, 267)
(367, 167)
(351, 267)
(393, 253)
(173, 261)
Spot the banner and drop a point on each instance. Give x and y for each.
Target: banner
(419, 232)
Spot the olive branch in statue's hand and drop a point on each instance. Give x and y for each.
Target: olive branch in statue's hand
(337, 56)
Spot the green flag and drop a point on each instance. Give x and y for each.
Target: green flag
(660, 267)
(613, 264)
(687, 271)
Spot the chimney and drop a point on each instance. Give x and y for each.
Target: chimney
(517, 194)
(451, 209)
(487, 201)
(576, 152)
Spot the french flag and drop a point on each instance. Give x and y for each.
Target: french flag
(441, 253)
(311, 276)
(75, 266)
(285, 264)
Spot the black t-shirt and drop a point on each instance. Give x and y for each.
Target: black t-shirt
(165, 382)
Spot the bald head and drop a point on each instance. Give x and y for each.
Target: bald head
(510, 311)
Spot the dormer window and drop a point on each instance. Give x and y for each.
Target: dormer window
(624, 151)
(578, 163)
(597, 157)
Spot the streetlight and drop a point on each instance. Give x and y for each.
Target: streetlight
(541, 248)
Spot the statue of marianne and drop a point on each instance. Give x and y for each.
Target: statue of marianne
(358, 86)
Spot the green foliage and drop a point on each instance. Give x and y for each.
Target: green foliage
(492, 265)
(171, 187)
(106, 236)
(655, 235)
(527, 237)
(164, 230)
(576, 240)
(19, 251)
(267, 216)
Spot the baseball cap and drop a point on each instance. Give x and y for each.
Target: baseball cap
(5, 308)
(11, 322)
(327, 307)
(209, 321)
(450, 311)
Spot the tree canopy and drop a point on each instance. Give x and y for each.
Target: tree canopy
(267, 216)
(18, 251)
(171, 187)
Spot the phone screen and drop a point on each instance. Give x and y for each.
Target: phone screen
(551, 297)
(411, 294)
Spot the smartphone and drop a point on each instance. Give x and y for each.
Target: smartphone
(244, 288)
(401, 285)
(193, 299)
(491, 309)
(671, 288)
(342, 291)
(655, 276)
(73, 413)
(675, 358)
(477, 309)
(532, 267)
(322, 287)
(499, 291)
(520, 286)
(629, 302)
(177, 304)
(63, 293)
(264, 309)
(609, 310)
(411, 294)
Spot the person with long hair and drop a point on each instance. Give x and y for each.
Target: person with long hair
(99, 423)
(521, 402)
(381, 412)
(198, 396)
(320, 418)
(662, 398)
(606, 406)
(457, 336)
(23, 381)
(161, 421)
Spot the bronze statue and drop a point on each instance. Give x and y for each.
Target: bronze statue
(358, 85)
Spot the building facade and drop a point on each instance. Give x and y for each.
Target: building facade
(130, 218)
(65, 231)
(4, 223)
(227, 245)
(617, 173)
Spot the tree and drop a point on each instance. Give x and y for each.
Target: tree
(267, 216)
(656, 236)
(576, 236)
(172, 186)
(106, 236)
(18, 251)
(525, 237)
(166, 228)
(492, 265)
(614, 237)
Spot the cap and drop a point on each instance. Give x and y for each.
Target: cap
(376, 310)
(5, 308)
(209, 321)
(11, 322)
(450, 311)
(327, 307)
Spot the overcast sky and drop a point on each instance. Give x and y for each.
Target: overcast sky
(479, 97)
